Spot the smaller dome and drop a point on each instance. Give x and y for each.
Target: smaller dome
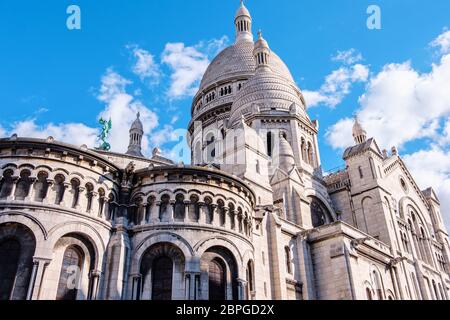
(242, 11)
(261, 43)
(137, 124)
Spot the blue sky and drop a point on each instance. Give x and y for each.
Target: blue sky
(149, 55)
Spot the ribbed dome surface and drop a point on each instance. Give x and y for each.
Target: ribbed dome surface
(237, 60)
(269, 92)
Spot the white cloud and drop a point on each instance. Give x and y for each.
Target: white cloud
(2, 132)
(112, 85)
(442, 42)
(432, 168)
(402, 105)
(339, 135)
(348, 57)
(188, 64)
(337, 86)
(145, 66)
(73, 133)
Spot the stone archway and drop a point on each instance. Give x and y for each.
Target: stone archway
(219, 274)
(162, 273)
(17, 248)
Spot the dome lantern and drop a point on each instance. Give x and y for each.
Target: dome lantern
(243, 24)
(261, 52)
(136, 134)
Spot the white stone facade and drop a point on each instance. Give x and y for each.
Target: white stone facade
(252, 218)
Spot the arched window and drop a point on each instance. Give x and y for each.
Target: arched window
(310, 154)
(231, 214)
(250, 279)
(198, 153)
(111, 208)
(361, 174)
(6, 184)
(23, 185)
(194, 209)
(269, 143)
(59, 189)
(210, 148)
(89, 196)
(217, 278)
(101, 202)
(239, 218)
(9, 262)
(287, 253)
(319, 213)
(209, 210)
(162, 273)
(164, 207)
(179, 208)
(378, 285)
(258, 167)
(41, 187)
(75, 185)
(303, 150)
(369, 294)
(70, 274)
(221, 210)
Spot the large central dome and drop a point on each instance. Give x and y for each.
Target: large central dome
(237, 60)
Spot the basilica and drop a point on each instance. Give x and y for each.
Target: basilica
(253, 217)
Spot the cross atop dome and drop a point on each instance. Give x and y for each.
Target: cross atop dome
(243, 24)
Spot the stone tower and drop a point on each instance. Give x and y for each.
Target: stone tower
(136, 134)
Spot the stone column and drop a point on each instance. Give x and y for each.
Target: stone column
(95, 205)
(215, 215)
(154, 213)
(142, 213)
(227, 219)
(202, 212)
(102, 212)
(82, 199)
(170, 211)
(118, 252)
(95, 280)
(186, 210)
(232, 217)
(34, 288)
(191, 285)
(242, 284)
(136, 283)
(67, 198)
(30, 196)
(50, 197)
(11, 196)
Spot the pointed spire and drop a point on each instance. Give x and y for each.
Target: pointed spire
(261, 52)
(243, 24)
(359, 134)
(136, 134)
